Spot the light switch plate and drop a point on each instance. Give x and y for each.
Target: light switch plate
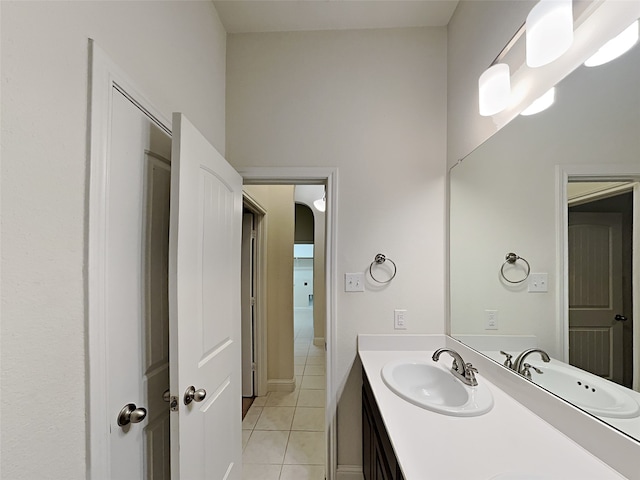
(538, 282)
(354, 282)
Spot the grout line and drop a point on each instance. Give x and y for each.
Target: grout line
(295, 408)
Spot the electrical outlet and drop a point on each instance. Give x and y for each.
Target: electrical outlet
(491, 320)
(400, 319)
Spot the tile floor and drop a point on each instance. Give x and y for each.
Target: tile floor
(283, 433)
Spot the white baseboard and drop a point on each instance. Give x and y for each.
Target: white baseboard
(349, 472)
(281, 385)
(318, 341)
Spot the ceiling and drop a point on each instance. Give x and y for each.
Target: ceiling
(241, 16)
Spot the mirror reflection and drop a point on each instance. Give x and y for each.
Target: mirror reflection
(559, 190)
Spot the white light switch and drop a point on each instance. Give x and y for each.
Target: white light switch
(538, 282)
(354, 282)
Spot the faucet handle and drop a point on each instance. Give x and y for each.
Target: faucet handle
(507, 363)
(470, 374)
(527, 373)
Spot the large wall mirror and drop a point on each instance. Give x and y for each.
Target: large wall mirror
(560, 189)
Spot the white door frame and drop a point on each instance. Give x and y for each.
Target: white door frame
(105, 76)
(329, 177)
(586, 173)
(260, 307)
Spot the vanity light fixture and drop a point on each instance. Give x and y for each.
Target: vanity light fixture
(540, 103)
(549, 29)
(494, 88)
(616, 46)
(321, 203)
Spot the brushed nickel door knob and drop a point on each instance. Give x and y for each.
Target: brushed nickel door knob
(193, 395)
(131, 414)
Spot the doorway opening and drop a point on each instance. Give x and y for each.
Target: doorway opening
(290, 414)
(601, 233)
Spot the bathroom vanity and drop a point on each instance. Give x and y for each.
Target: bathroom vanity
(404, 441)
(379, 461)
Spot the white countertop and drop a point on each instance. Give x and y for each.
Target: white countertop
(508, 439)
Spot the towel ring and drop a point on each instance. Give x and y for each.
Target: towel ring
(512, 258)
(379, 260)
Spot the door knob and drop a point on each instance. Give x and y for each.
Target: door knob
(620, 318)
(131, 414)
(193, 395)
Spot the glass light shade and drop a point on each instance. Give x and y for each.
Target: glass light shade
(616, 46)
(320, 204)
(540, 103)
(494, 89)
(549, 30)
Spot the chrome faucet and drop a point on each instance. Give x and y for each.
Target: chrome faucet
(464, 371)
(521, 367)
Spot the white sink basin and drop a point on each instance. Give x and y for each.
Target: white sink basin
(430, 386)
(585, 390)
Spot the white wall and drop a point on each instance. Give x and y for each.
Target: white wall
(175, 52)
(373, 104)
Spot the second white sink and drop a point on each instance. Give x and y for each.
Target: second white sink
(430, 386)
(583, 389)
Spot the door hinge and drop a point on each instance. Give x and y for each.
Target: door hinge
(253, 366)
(253, 234)
(253, 301)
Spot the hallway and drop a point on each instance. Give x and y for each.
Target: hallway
(283, 433)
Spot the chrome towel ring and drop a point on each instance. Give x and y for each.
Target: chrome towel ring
(379, 260)
(510, 259)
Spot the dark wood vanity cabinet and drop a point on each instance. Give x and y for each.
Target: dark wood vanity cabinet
(378, 458)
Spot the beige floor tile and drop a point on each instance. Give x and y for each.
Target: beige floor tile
(283, 399)
(299, 359)
(261, 472)
(314, 370)
(316, 360)
(266, 447)
(251, 417)
(298, 381)
(260, 401)
(302, 472)
(313, 382)
(307, 418)
(305, 448)
(275, 418)
(316, 350)
(245, 437)
(311, 398)
(298, 369)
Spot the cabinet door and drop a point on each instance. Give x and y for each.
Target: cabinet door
(367, 441)
(381, 465)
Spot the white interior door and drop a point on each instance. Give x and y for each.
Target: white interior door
(595, 293)
(204, 304)
(136, 257)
